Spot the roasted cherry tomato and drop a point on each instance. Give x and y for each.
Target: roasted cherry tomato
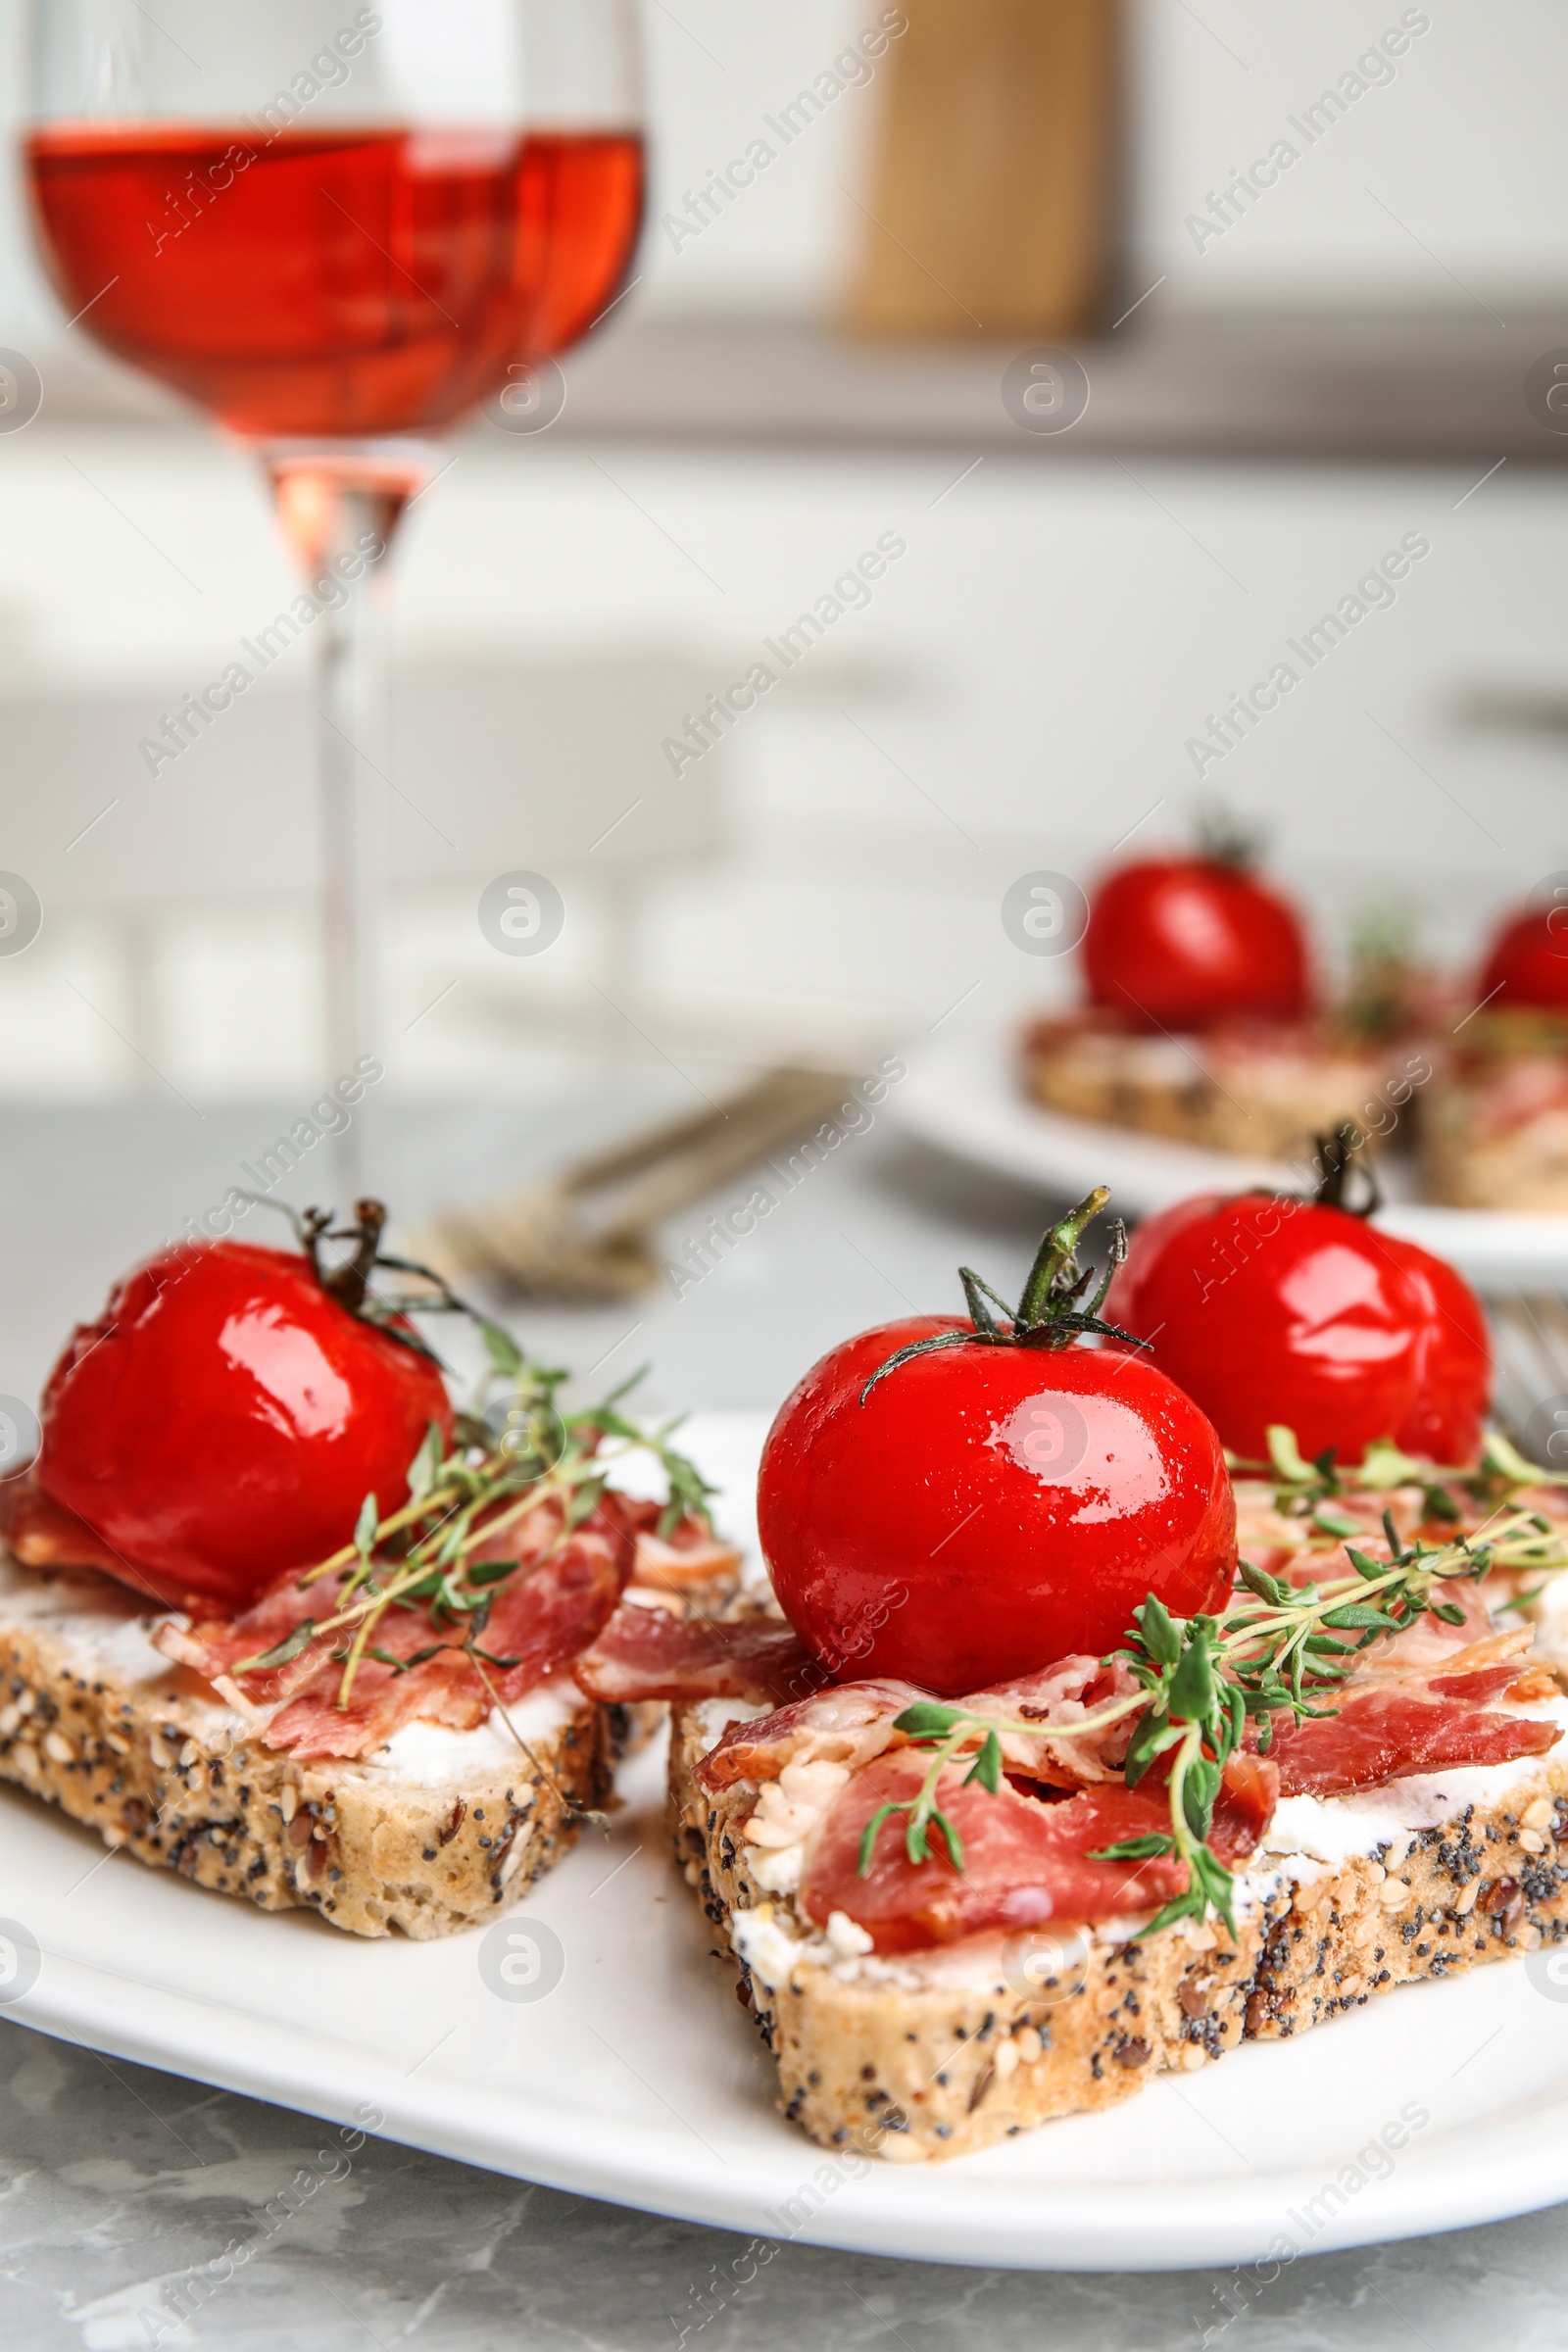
(998, 1499)
(1181, 943)
(225, 1418)
(1270, 1309)
(1526, 968)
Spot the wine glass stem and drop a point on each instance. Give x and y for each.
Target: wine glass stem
(339, 510)
(350, 771)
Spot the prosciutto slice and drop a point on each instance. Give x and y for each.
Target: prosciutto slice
(846, 1724)
(648, 1653)
(1385, 1733)
(531, 1536)
(851, 1722)
(1297, 1549)
(213, 1646)
(45, 1535)
(1026, 1860)
(1063, 1694)
(1294, 1547)
(1469, 1661)
(540, 1621)
(690, 1554)
(1417, 1702)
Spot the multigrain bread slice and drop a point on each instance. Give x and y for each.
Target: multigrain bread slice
(430, 1838)
(1494, 1129)
(932, 2055)
(1261, 1091)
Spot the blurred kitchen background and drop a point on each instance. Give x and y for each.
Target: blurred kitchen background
(1281, 387)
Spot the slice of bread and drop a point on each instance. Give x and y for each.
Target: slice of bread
(1259, 1092)
(429, 1837)
(936, 2053)
(1494, 1131)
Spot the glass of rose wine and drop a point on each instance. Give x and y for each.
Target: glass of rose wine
(339, 228)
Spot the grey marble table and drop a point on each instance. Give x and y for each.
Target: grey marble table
(118, 2182)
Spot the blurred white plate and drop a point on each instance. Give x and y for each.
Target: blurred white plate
(975, 1108)
(636, 2076)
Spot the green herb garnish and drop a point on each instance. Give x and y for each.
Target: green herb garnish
(422, 1557)
(1280, 1650)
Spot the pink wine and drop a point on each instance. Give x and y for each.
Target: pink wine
(334, 283)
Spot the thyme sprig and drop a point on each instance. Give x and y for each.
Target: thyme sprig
(1280, 1648)
(1308, 1490)
(952, 1729)
(424, 1554)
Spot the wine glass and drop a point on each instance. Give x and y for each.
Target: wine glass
(339, 228)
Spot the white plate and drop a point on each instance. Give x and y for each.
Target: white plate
(974, 1107)
(638, 2078)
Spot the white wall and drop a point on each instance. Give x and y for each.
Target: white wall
(1457, 165)
(1019, 694)
(1455, 171)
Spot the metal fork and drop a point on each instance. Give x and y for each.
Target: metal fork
(589, 1232)
(1530, 1345)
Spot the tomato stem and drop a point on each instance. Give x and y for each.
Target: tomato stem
(1051, 1312)
(1340, 1157)
(1225, 839)
(353, 1287)
(348, 1282)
